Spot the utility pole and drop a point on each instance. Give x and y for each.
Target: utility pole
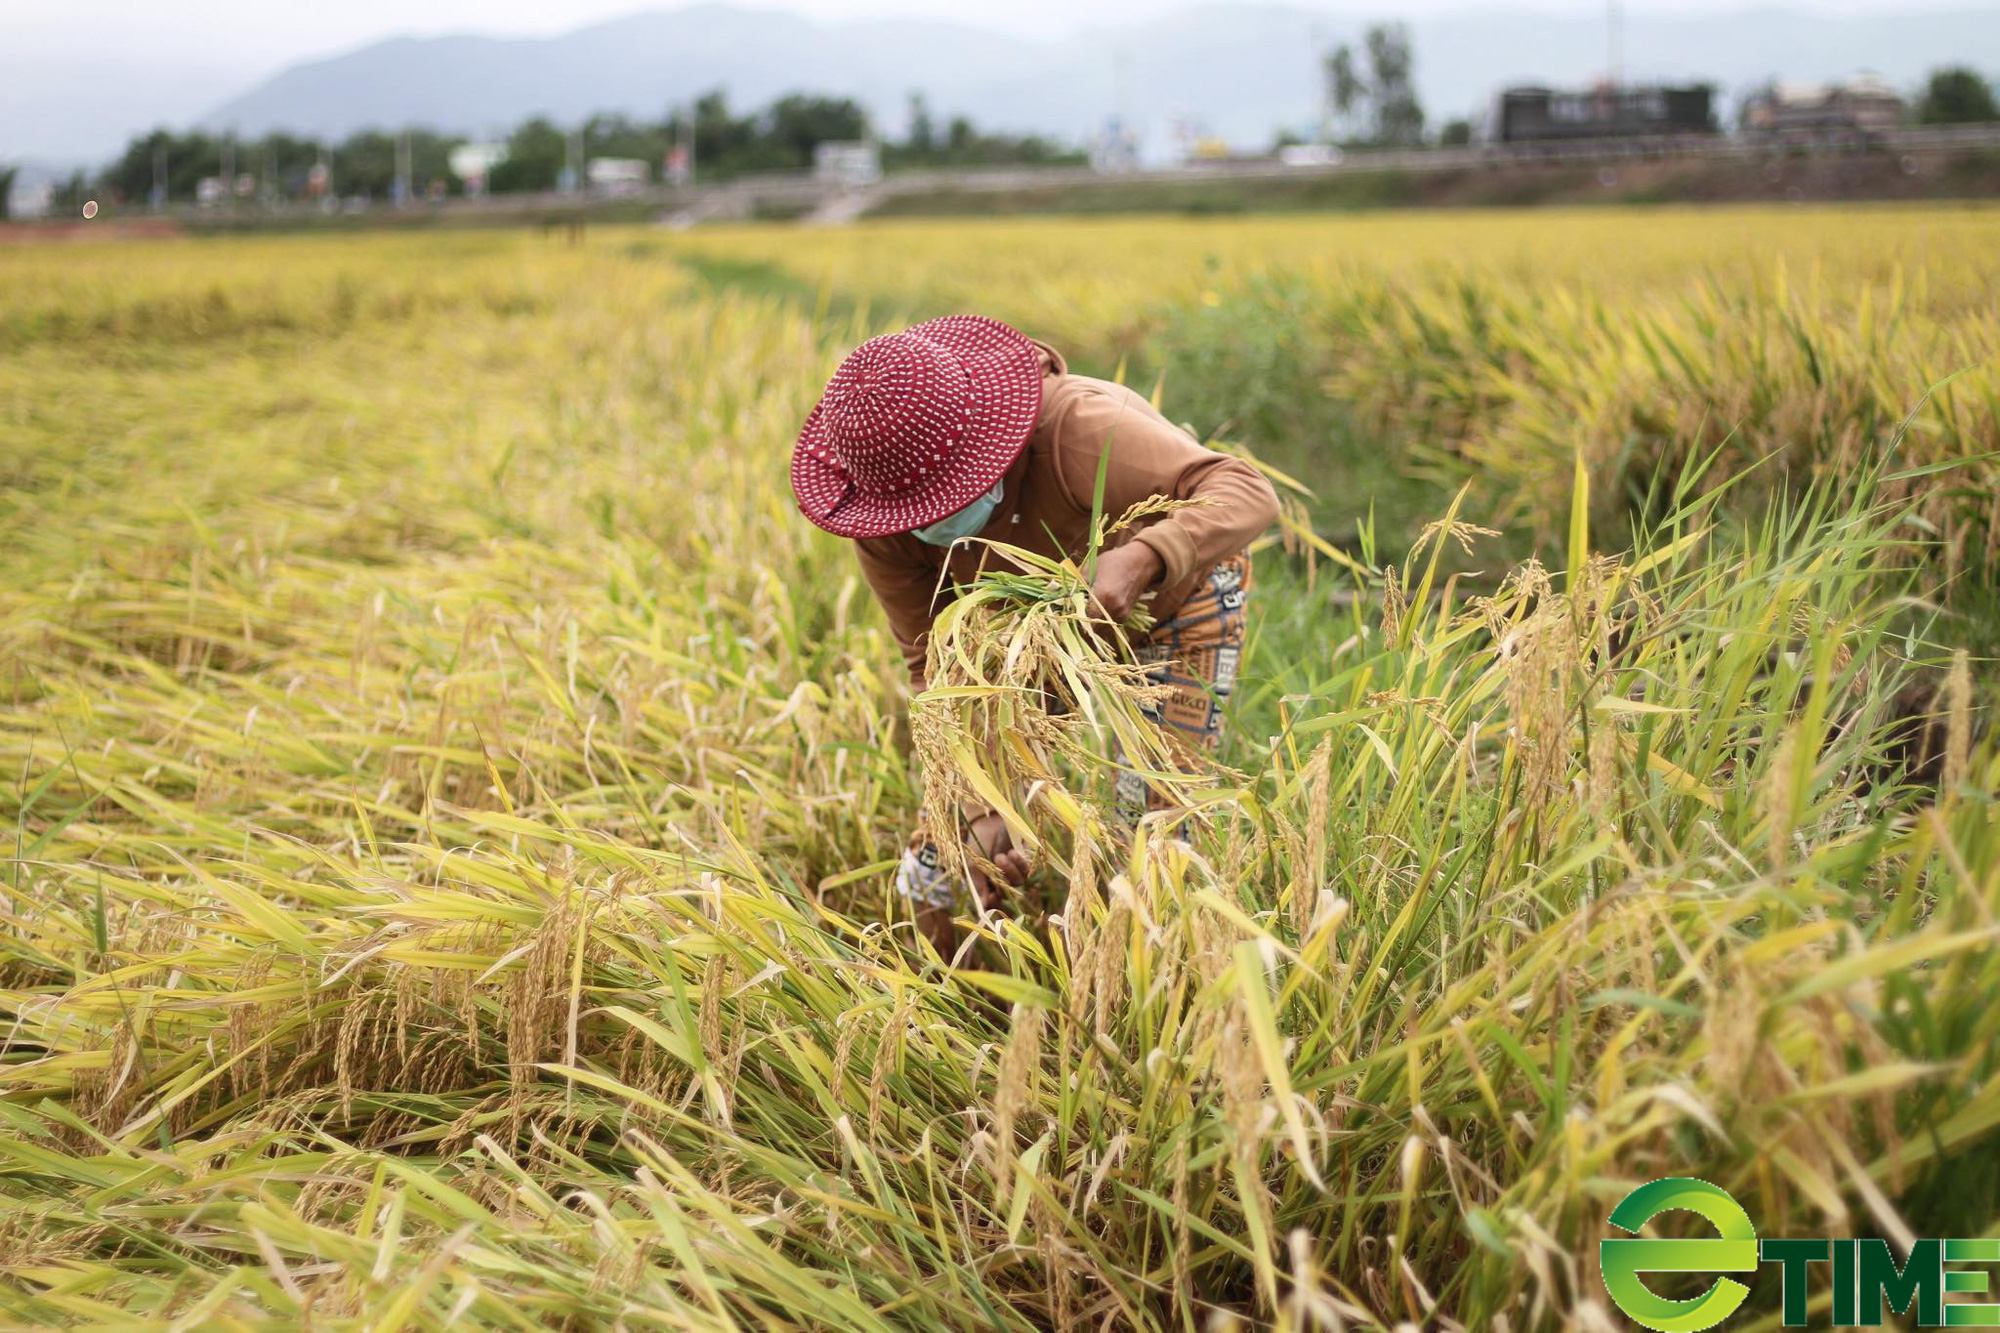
(674, 166)
(159, 199)
(403, 168)
(229, 171)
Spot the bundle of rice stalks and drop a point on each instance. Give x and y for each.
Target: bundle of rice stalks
(1035, 705)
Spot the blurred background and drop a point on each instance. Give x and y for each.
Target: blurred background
(834, 109)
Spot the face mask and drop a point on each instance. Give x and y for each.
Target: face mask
(963, 524)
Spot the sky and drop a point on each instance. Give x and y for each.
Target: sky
(263, 34)
(77, 77)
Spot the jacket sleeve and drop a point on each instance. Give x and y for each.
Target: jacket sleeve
(1148, 457)
(905, 586)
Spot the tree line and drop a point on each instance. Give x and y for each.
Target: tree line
(778, 137)
(1368, 91)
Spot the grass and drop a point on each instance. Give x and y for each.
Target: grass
(451, 800)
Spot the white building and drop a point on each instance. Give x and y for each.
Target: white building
(30, 199)
(617, 175)
(847, 162)
(473, 162)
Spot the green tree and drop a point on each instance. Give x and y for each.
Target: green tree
(535, 156)
(366, 162)
(797, 124)
(1345, 92)
(962, 144)
(782, 136)
(722, 143)
(69, 195)
(1399, 119)
(7, 176)
(188, 158)
(1384, 100)
(1957, 96)
(282, 164)
(619, 136)
(1455, 134)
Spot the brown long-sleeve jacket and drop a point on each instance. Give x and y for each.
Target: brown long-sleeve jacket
(1046, 504)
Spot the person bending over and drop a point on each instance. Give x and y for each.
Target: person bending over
(963, 428)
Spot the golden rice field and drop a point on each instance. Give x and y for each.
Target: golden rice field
(449, 795)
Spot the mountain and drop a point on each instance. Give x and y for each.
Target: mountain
(69, 108)
(642, 64)
(1238, 71)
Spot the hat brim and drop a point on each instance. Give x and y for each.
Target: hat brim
(1005, 376)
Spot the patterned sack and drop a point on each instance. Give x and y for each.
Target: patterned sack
(921, 876)
(1196, 655)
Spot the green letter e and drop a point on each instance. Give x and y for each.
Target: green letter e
(1735, 1251)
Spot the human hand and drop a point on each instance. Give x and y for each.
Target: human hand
(988, 837)
(1124, 575)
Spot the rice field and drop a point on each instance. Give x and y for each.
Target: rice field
(449, 796)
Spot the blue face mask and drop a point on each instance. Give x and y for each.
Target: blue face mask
(967, 521)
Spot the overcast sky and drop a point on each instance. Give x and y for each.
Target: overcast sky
(264, 32)
(77, 76)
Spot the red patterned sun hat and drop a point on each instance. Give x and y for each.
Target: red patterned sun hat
(916, 425)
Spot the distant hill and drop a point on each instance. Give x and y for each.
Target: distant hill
(1240, 71)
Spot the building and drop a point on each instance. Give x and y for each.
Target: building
(473, 163)
(848, 162)
(1812, 112)
(617, 175)
(1116, 147)
(1539, 115)
(1309, 155)
(30, 199)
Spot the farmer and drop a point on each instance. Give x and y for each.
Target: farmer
(963, 428)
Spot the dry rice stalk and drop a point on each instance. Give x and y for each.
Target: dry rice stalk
(1958, 725)
(1014, 1093)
